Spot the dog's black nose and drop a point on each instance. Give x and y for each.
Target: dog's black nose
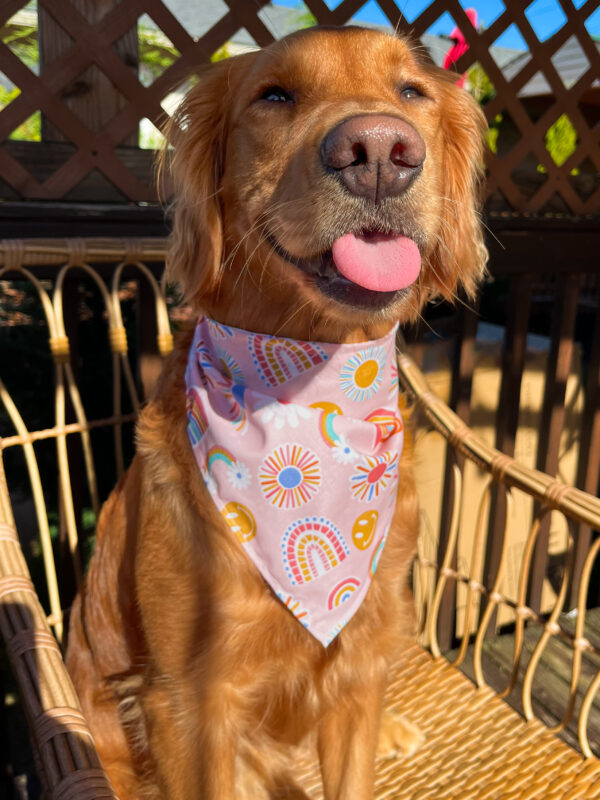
(374, 155)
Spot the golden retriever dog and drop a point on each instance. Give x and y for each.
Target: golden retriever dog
(195, 678)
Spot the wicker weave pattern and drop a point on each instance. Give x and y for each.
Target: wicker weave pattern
(476, 746)
(67, 760)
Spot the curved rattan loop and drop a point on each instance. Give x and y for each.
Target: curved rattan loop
(493, 602)
(522, 612)
(446, 563)
(574, 503)
(586, 705)
(474, 587)
(164, 337)
(75, 261)
(550, 629)
(14, 264)
(40, 508)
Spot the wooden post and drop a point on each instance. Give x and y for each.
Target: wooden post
(91, 96)
(460, 401)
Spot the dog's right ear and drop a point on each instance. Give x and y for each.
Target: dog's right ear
(197, 133)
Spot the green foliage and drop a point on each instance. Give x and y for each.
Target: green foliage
(480, 86)
(305, 19)
(561, 140)
(493, 133)
(31, 129)
(155, 53)
(22, 40)
(221, 54)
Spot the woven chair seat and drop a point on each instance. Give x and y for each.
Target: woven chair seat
(476, 746)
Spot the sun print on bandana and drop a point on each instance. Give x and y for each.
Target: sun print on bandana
(290, 475)
(229, 367)
(295, 607)
(210, 373)
(372, 475)
(362, 374)
(219, 330)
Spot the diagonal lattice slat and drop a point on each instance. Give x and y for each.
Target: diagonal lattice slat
(103, 151)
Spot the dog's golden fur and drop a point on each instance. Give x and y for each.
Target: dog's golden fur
(187, 665)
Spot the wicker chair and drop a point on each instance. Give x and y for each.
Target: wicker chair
(476, 745)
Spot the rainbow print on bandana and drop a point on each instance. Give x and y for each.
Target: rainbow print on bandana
(376, 556)
(290, 475)
(237, 472)
(279, 360)
(328, 412)
(387, 423)
(342, 592)
(197, 423)
(229, 367)
(218, 454)
(311, 547)
(362, 374)
(372, 475)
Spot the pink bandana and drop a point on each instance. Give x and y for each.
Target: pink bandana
(298, 443)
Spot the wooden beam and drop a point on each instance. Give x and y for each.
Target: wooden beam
(91, 96)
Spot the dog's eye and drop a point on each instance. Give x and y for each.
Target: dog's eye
(410, 92)
(275, 94)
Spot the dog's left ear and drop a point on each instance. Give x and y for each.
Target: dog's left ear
(197, 133)
(460, 255)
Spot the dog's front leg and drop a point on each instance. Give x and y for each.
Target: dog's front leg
(194, 760)
(347, 741)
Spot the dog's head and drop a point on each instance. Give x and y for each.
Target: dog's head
(325, 184)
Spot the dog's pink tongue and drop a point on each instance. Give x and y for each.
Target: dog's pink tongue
(380, 262)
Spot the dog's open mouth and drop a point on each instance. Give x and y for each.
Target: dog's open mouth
(364, 270)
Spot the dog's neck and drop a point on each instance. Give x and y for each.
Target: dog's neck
(295, 318)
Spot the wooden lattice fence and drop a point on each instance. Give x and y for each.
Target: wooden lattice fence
(87, 89)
